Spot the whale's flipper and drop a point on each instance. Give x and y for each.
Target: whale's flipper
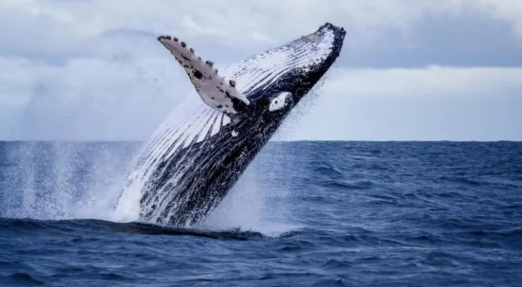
(216, 91)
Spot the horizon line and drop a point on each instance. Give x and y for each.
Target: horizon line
(279, 141)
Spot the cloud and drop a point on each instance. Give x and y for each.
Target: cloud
(413, 104)
(435, 81)
(97, 100)
(58, 27)
(508, 10)
(16, 79)
(93, 69)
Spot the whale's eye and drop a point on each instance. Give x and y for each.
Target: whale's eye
(280, 101)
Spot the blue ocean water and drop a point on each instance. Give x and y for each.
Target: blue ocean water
(304, 214)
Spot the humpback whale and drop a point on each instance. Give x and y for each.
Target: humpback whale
(204, 145)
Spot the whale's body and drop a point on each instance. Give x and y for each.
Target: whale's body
(202, 148)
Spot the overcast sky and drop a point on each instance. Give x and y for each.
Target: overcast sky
(410, 69)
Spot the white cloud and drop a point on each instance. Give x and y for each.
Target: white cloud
(82, 65)
(91, 99)
(121, 100)
(508, 10)
(428, 82)
(71, 24)
(413, 104)
(16, 82)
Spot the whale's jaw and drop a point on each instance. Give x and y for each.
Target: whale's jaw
(202, 149)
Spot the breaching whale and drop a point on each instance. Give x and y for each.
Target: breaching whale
(202, 148)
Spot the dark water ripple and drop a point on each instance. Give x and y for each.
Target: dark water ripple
(367, 214)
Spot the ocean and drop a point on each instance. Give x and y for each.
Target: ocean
(303, 214)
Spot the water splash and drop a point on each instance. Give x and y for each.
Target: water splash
(64, 180)
(254, 204)
(68, 180)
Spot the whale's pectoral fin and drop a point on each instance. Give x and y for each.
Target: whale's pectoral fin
(216, 91)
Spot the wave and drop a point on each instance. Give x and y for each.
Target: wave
(100, 227)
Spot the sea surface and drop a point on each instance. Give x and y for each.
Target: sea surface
(304, 214)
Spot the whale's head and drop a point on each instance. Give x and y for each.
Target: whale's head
(277, 79)
(274, 80)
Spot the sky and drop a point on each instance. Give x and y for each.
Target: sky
(409, 70)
